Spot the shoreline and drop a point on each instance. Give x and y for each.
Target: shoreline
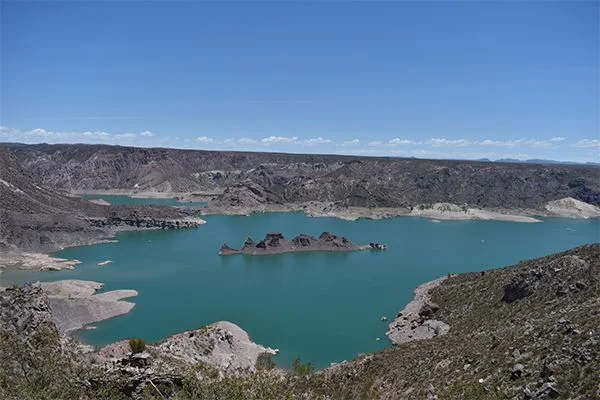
(316, 210)
(45, 261)
(182, 197)
(76, 305)
(410, 323)
(560, 208)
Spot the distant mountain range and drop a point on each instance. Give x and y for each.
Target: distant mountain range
(535, 161)
(241, 179)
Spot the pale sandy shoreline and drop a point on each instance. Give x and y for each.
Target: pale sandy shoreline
(319, 210)
(562, 208)
(182, 197)
(436, 212)
(75, 303)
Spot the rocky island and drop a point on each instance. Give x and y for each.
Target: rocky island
(275, 243)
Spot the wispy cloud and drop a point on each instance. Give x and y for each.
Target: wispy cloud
(206, 140)
(435, 147)
(587, 143)
(39, 134)
(400, 142)
(316, 141)
(279, 140)
(443, 142)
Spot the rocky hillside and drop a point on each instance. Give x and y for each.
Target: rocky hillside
(251, 178)
(35, 217)
(529, 331)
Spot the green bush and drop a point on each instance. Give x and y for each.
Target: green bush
(265, 362)
(302, 369)
(137, 345)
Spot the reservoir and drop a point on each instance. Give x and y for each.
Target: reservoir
(114, 199)
(323, 307)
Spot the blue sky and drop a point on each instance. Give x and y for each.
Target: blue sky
(418, 79)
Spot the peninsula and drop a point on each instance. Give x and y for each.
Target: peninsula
(275, 243)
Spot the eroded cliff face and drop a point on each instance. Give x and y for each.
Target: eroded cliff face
(254, 179)
(34, 217)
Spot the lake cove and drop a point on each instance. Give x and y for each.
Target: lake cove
(323, 307)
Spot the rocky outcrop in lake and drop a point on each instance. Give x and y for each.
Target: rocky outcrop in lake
(275, 243)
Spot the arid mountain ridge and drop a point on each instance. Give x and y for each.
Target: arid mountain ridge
(234, 177)
(33, 217)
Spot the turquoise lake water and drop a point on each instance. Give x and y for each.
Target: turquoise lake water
(324, 307)
(122, 199)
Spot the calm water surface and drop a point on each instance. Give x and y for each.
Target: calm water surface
(122, 199)
(324, 307)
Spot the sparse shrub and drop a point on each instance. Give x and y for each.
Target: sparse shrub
(265, 362)
(302, 369)
(137, 345)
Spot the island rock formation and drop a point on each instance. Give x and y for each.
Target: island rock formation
(275, 243)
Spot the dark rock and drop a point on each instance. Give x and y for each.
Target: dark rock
(428, 309)
(517, 371)
(275, 243)
(138, 360)
(519, 288)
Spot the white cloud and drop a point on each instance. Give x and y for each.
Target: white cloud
(147, 134)
(587, 143)
(40, 132)
(96, 134)
(558, 139)
(375, 143)
(279, 139)
(352, 142)
(316, 141)
(400, 142)
(500, 143)
(206, 140)
(443, 142)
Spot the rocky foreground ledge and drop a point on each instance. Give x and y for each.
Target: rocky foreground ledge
(275, 243)
(30, 320)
